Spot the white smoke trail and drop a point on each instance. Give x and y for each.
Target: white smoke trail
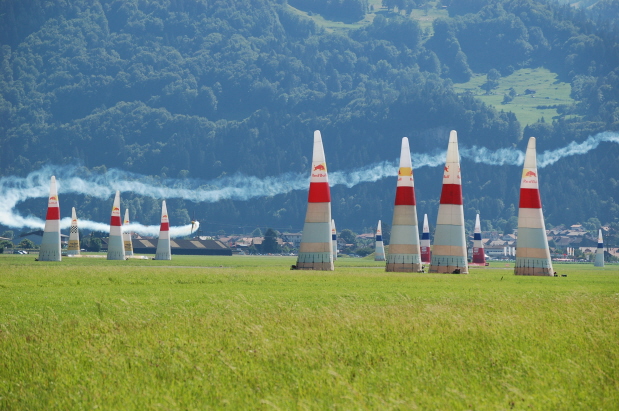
(500, 157)
(378, 171)
(550, 157)
(481, 155)
(175, 231)
(510, 156)
(76, 180)
(14, 190)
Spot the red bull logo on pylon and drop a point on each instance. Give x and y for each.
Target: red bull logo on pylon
(319, 170)
(529, 173)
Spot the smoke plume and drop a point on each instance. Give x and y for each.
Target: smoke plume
(77, 180)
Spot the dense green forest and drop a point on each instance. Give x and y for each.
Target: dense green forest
(200, 89)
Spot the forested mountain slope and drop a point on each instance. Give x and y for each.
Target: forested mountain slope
(202, 89)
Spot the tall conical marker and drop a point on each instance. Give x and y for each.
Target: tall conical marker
(379, 251)
(404, 241)
(599, 255)
(50, 246)
(425, 241)
(74, 236)
(449, 249)
(127, 236)
(532, 252)
(479, 255)
(315, 250)
(334, 239)
(115, 244)
(164, 252)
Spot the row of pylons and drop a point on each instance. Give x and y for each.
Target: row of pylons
(119, 244)
(73, 248)
(479, 256)
(318, 248)
(449, 253)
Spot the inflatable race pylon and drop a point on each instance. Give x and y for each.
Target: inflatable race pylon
(50, 246)
(425, 241)
(379, 251)
(599, 255)
(127, 235)
(449, 249)
(479, 255)
(164, 250)
(316, 248)
(115, 244)
(532, 252)
(404, 253)
(74, 236)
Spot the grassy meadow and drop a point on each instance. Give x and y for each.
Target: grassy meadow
(248, 333)
(549, 92)
(424, 17)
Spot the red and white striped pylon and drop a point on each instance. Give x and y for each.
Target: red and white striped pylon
(316, 248)
(449, 249)
(532, 252)
(50, 245)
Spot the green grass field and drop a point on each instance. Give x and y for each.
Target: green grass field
(549, 92)
(248, 333)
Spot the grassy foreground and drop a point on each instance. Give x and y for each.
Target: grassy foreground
(251, 334)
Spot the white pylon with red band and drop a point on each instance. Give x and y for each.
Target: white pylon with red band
(379, 250)
(532, 252)
(479, 254)
(404, 253)
(164, 250)
(50, 246)
(449, 249)
(127, 235)
(316, 249)
(115, 244)
(599, 255)
(74, 236)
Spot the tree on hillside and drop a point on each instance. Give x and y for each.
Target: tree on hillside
(348, 236)
(26, 244)
(492, 80)
(5, 244)
(389, 4)
(270, 245)
(91, 243)
(386, 229)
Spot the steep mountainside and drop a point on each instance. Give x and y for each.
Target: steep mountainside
(196, 89)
